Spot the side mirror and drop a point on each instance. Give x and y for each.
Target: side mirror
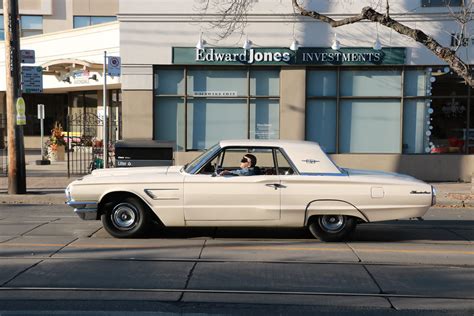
(216, 171)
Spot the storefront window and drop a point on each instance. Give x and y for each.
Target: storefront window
(416, 123)
(2, 30)
(360, 113)
(415, 83)
(321, 123)
(264, 119)
(217, 83)
(377, 83)
(448, 108)
(322, 84)
(169, 121)
(369, 126)
(83, 21)
(215, 104)
(210, 120)
(31, 25)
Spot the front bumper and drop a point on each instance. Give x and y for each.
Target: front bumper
(85, 210)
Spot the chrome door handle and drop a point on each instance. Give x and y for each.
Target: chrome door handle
(275, 185)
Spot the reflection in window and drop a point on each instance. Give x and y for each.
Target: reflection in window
(2, 30)
(211, 120)
(321, 123)
(83, 21)
(215, 104)
(449, 118)
(31, 25)
(370, 126)
(441, 3)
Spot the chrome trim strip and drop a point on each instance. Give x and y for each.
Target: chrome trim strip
(324, 174)
(154, 197)
(84, 204)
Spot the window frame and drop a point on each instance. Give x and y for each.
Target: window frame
(89, 18)
(186, 96)
(443, 3)
(404, 71)
(22, 29)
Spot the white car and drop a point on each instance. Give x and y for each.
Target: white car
(293, 184)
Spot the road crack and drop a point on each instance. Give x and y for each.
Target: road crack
(190, 274)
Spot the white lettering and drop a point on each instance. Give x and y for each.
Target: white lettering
(277, 56)
(200, 54)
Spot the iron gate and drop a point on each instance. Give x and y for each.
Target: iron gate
(85, 144)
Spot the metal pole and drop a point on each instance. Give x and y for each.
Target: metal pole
(104, 104)
(42, 134)
(16, 154)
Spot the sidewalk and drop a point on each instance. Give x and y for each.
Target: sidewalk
(46, 184)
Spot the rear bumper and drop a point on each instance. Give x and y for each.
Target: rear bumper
(85, 210)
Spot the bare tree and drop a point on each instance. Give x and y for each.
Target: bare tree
(233, 18)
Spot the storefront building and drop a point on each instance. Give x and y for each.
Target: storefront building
(397, 108)
(69, 39)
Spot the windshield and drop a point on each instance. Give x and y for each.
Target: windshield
(196, 163)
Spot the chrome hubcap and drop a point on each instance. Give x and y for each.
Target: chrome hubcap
(124, 216)
(332, 223)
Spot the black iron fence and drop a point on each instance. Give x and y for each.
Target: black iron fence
(84, 143)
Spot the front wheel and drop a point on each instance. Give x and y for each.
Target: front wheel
(332, 227)
(126, 218)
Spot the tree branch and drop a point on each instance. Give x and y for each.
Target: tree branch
(368, 13)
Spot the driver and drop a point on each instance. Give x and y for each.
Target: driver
(247, 167)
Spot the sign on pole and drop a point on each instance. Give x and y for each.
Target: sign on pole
(27, 56)
(40, 111)
(20, 111)
(32, 79)
(114, 64)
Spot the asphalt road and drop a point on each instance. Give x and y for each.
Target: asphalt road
(52, 263)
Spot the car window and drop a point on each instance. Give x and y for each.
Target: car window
(194, 165)
(210, 167)
(265, 163)
(284, 167)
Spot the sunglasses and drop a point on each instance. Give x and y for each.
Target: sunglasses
(244, 160)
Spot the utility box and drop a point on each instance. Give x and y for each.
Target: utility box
(143, 153)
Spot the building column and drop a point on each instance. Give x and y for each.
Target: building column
(292, 103)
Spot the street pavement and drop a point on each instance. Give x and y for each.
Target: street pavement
(51, 262)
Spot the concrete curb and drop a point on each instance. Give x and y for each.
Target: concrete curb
(45, 199)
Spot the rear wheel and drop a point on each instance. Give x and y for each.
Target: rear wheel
(332, 227)
(125, 218)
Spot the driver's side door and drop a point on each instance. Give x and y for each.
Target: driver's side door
(228, 200)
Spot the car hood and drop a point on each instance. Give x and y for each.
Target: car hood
(131, 175)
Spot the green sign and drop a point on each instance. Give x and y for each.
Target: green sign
(285, 56)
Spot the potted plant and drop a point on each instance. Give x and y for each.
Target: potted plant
(56, 143)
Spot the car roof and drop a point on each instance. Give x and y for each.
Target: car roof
(308, 157)
(265, 143)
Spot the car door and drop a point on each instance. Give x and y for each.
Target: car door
(229, 199)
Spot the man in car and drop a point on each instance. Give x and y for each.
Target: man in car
(247, 167)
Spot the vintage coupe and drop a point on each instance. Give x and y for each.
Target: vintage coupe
(295, 185)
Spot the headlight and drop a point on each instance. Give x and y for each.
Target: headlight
(433, 196)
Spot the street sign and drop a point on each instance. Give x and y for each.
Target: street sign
(114, 64)
(27, 56)
(40, 111)
(32, 79)
(20, 111)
